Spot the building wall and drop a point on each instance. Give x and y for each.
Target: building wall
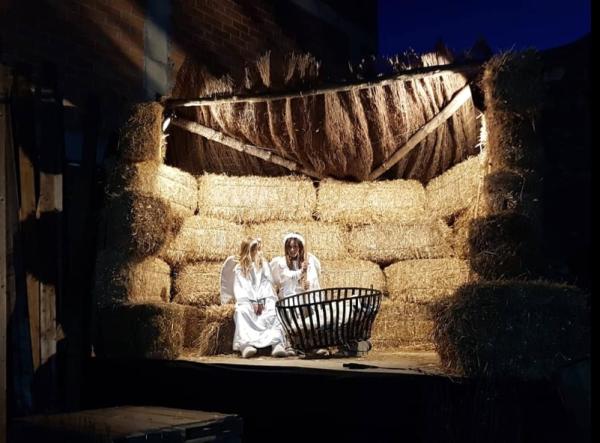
(102, 46)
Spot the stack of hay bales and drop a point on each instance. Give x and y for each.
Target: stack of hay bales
(429, 267)
(504, 242)
(146, 204)
(414, 287)
(509, 324)
(230, 209)
(387, 225)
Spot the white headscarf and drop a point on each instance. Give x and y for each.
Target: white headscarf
(293, 235)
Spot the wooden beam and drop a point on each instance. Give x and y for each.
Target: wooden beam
(233, 143)
(457, 101)
(410, 75)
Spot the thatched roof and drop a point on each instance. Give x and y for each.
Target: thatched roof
(337, 133)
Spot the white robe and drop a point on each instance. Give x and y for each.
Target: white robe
(251, 329)
(288, 280)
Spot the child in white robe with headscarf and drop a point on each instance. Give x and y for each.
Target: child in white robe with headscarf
(256, 321)
(297, 271)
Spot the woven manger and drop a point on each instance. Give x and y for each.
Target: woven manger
(329, 317)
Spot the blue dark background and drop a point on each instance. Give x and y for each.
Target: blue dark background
(509, 24)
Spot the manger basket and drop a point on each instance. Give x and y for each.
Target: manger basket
(329, 317)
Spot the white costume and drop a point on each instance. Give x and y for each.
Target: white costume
(288, 281)
(251, 329)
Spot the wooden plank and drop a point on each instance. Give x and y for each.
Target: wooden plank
(457, 101)
(410, 75)
(23, 109)
(256, 151)
(4, 88)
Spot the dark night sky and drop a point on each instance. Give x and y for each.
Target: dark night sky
(509, 24)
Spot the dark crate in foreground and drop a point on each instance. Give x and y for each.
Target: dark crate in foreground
(129, 424)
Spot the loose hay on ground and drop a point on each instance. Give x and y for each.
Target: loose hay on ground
(254, 199)
(458, 188)
(386, 243)
(140, 138)
(202, 238)
(179, 189)
(144, 330)
(198, 284)
(324, 240)
(122, 278)
(426, 280)
(513, 329)
(369, 202)
(351, 273)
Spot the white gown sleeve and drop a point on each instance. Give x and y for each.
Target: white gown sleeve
(242, 288)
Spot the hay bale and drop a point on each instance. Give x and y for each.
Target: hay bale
(424, 281)
(370, 202)
(324, 240)
(513, 96)
(203, 238)
(513, 329)
(140, 138)
(504, 246)
(401, 326)
(511, 82)
(351, 273)
(209, 330)
(457, 188)
(460, 224)
(254, 199)
(198, 284)
(513, 190)
(385, 243)
(179, 189)
(121, 278)
(141, 330)
(139, 224)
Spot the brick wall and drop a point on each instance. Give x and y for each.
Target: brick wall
(98, 45)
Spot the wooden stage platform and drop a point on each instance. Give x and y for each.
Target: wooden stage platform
(403, 397)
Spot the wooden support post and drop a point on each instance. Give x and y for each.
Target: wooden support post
(24, 117)
(233, 143)
(457, 101)
(49, 226)
(19, 343)
(4, 90)
(77, 304)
